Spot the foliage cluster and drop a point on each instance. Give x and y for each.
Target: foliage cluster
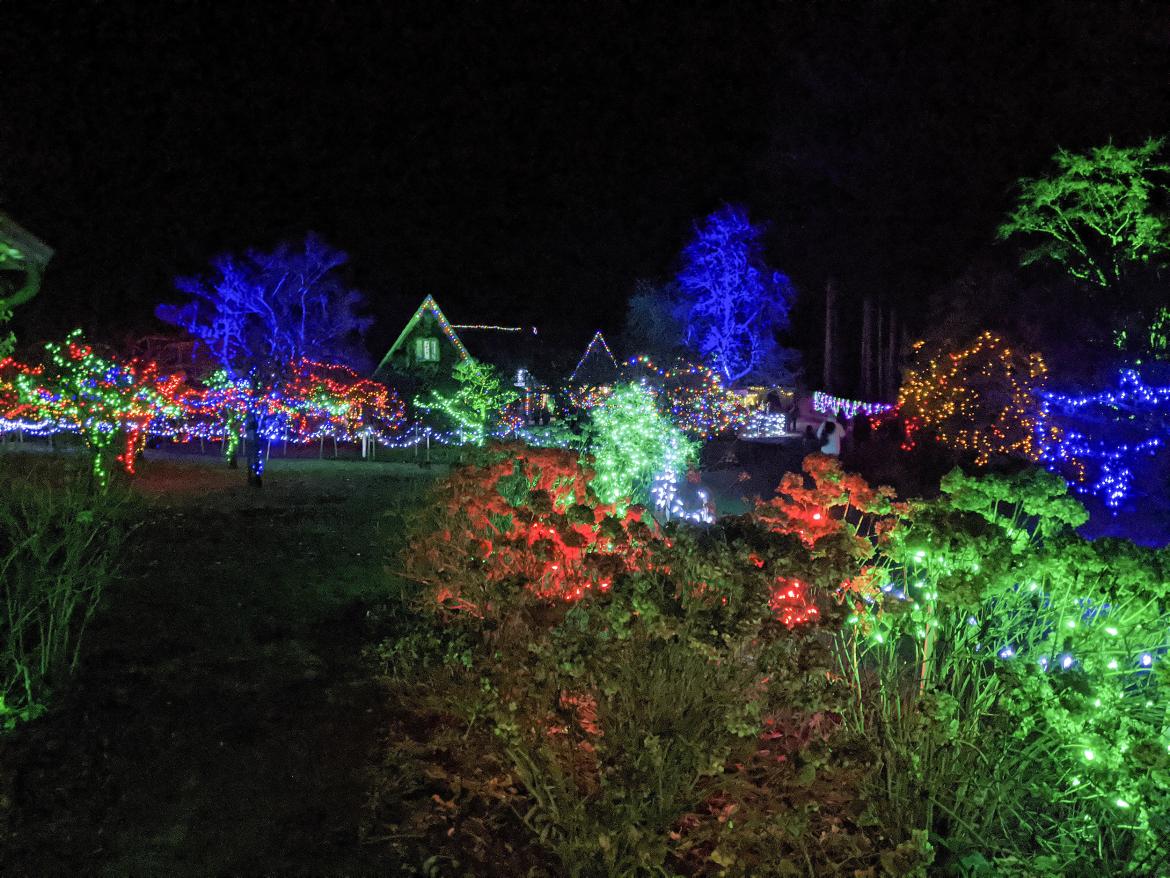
(521, 517)
(836, 683)
(59, 548)
(681, 716)
(1005, 675)
(477, 403)
(631, 442)
(730, 303)
(978, 398)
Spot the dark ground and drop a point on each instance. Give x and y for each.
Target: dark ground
(223, 719)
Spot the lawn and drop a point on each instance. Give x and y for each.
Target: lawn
(223, 718)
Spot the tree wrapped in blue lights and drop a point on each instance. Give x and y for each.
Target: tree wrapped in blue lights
(1098, 441)
(731, 303)
(262, 313)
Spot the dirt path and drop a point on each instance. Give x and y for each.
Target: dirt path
(223, 720)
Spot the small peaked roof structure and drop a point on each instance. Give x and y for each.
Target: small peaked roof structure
(597, 365)
(428, 304)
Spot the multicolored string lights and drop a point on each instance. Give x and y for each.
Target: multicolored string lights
(829, 404)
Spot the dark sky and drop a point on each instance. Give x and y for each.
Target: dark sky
(527, 162)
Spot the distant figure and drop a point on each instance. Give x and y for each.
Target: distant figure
(809, 442)
(830, 438)
(790, 418)
(774, 404)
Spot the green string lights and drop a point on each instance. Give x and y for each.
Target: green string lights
(631, 442)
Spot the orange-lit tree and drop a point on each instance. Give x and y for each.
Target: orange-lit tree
(979, 399)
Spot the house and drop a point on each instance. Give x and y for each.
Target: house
(429, 348)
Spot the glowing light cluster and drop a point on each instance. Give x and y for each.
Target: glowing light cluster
(478, 404)
(829, 404)
(979, 399)
(632, 443)
(81, 392)
(1130, 422)
(692, 396)
(675, 499)
(763, 424)
(791, 603)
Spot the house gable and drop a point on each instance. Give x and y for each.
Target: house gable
(427, 341)
(597, 365)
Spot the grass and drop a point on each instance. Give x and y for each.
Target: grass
(222, 720)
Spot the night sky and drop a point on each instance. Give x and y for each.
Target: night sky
(526, 164)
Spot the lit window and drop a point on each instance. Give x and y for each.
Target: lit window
(426, 350)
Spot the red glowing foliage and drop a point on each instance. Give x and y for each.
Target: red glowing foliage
(836, 502)
(526, 515)
(841, 518)
(791, 603)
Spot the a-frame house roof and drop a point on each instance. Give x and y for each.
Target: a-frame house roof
(428, 304)
(597, 365)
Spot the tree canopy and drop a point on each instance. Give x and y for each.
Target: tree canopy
(261, 314)
(731, 303)
(1098, 215)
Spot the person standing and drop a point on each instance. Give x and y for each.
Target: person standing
(830, 436)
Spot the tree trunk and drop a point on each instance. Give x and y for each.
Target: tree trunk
(880, 352)
(893, 348)
(867, 348)
(830, 330)
(255, 456)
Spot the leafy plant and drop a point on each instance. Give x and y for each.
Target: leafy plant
(59, 546)
(1004, 676)
(631, 442)
(477, 403)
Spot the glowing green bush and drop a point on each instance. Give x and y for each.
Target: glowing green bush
(631, 442)
(1009, 677)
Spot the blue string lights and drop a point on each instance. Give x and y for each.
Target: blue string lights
(1134, 419)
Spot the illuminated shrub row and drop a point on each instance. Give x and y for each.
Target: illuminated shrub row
(114, 405)
(836, 680)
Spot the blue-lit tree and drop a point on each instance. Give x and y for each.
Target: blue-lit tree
(731, 303)
(261, 313)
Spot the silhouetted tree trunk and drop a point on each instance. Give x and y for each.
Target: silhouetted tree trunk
(893, 379)
(829, 376)
(255, 461)
(867, 348)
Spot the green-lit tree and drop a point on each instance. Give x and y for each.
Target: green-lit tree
(631, 442)
(1095, 216)
(475, 405)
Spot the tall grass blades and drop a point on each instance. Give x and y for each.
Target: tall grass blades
(59, 547)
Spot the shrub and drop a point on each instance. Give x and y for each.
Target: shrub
(1005, 679)
(631, 442)
(59, 546)
(679, 714)
(520, 519)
